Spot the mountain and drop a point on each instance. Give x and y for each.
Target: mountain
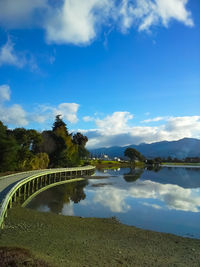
(186, 147)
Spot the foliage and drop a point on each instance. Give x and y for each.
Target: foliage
(59, 123)
(23, 149)
(81, 141)
(8, 150)
(133, 154)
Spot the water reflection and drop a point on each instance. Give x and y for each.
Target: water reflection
(55, 198)
(165, 200)
(133, 174)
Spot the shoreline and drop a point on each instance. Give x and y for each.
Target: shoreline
(75, 241)
(180, 166)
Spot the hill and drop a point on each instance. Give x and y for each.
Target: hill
(186, 147)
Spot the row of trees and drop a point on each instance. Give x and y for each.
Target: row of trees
(23, 149)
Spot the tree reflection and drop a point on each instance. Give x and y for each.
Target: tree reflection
(55, 197)
(133, 175)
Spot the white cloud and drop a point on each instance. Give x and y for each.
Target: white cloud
(114, 130)
(78, 22)
(64, 27)
(155, 206)
(14, 114)
(116, 123)
(44, 113)
(68, 111)
(154, 119)
(9, 57)
(88, 118)
(147, 13)
(4, 93)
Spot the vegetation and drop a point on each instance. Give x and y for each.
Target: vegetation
(23, 149)
(133, 155)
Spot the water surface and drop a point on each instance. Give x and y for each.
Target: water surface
(164, 200)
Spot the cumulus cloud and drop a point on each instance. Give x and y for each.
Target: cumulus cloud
(68, 111)
(115, 123)
(64, 27)
(14, 114)
(115, 130)
(148, 13)
(78, 22)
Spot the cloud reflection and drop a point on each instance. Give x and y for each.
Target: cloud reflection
(113, 198)
(172, 196)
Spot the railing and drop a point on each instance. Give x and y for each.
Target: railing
(38, 181)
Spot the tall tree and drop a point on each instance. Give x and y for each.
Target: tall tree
(59, 123)
(8, 150)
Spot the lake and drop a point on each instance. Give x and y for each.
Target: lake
(164, 200)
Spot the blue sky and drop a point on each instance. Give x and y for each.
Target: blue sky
(119, 71)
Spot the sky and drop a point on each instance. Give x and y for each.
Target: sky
(120, 71)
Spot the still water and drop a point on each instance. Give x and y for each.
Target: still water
(165, 200)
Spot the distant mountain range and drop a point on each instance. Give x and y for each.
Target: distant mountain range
(186, 147)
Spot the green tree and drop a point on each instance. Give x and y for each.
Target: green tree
(28, 142)
(59, 123)
(81, 140)
(64, 152)
(8, 150)
(133, 154)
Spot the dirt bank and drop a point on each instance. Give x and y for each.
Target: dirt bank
(73, 241)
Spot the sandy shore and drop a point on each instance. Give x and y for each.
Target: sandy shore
(73, 241)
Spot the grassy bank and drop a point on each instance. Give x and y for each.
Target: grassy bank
(181, 163)
(73, 241)
(110, 164)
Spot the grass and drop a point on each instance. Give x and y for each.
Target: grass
(110, 164)
(73, 241)
(181, 163)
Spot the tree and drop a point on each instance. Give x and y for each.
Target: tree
(133, 154)
(8, 150)
(81, 141)
(59, 123)
(65, 153)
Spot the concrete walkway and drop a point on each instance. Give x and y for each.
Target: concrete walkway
(7, 182)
